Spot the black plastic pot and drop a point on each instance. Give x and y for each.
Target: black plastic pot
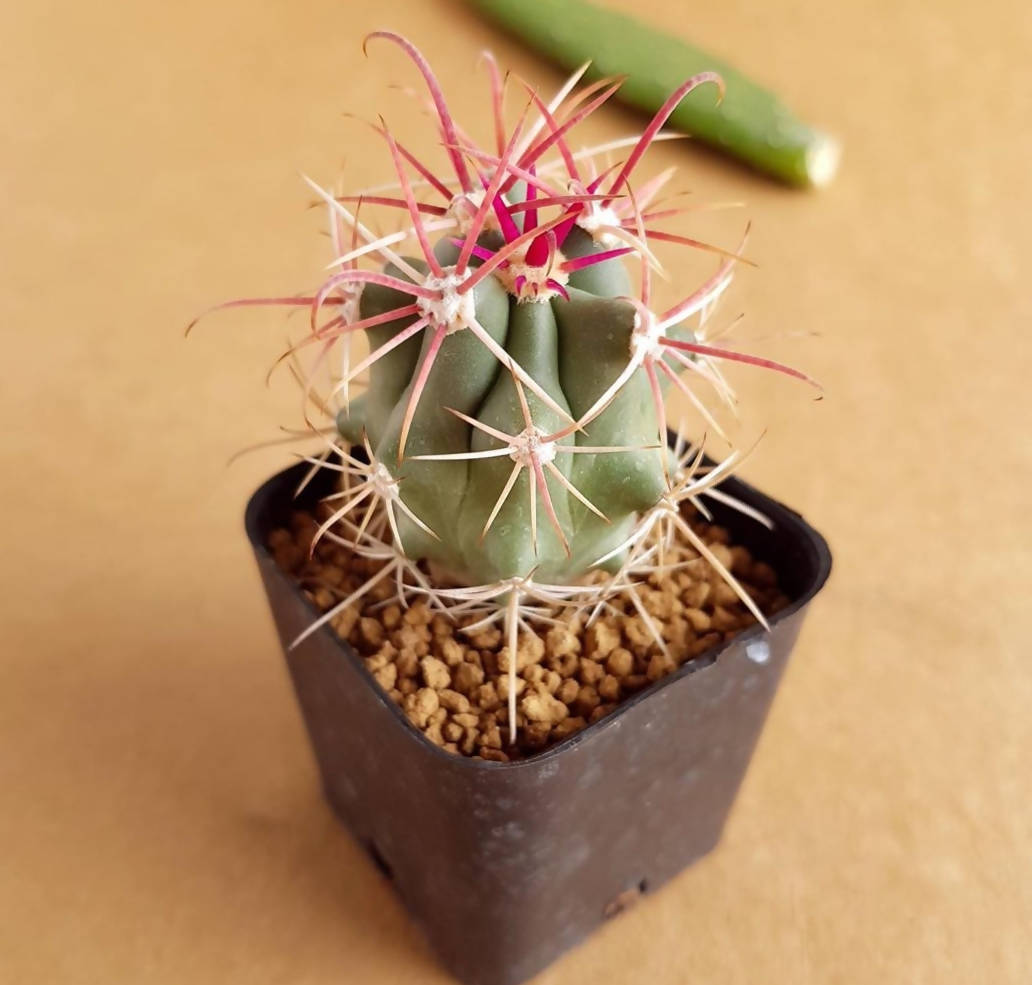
(507, 865)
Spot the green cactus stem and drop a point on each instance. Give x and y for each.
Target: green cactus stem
(751, 123)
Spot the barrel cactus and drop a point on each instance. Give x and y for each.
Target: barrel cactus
(511, 436)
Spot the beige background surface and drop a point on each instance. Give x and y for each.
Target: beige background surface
(160, 818)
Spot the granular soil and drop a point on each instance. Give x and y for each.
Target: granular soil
(454, 686)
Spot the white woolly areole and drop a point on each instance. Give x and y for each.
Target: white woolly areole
(349, 313)
(349, 310)
(527, 447)
(384, 484)
(463, 209)
(533, 286)
(450, 309)
(645, 336)
(594, 218)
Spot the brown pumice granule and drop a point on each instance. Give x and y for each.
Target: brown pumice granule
(455, 688)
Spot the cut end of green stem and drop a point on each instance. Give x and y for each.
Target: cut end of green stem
(822, 159)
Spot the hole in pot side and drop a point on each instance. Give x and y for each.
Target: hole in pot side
(625, 900)
(373, 850)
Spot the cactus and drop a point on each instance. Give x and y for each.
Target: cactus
(512, 436)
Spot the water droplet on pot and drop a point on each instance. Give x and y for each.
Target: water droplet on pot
(758, 651)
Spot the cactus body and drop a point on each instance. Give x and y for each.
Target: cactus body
(574, 348)
(514, 422)
(514, 416)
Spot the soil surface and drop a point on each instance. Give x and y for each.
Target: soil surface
(454, 686)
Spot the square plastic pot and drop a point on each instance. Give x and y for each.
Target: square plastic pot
(507, 865)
